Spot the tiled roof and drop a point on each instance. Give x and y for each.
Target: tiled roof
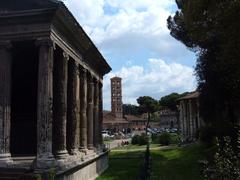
(192, 95)
(108, 117)
(134, 118)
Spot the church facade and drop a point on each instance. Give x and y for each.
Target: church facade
(51, 76)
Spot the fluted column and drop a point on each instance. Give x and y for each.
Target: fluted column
(100, 96)
(45, 101)
(5, 103)
(90, 94)
(60, 104)
(72, 111)
(190, 119)
(185, 120)
(96, 114)
(83, 109)
(78, 109)
(181, 118)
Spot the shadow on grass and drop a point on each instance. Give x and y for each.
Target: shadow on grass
(177, 164)
(123, 165)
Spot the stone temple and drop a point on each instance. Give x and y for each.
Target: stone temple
(51, 78)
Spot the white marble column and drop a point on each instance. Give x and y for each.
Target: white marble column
(45, 157)
(5, 103)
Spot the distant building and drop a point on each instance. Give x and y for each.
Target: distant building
(114, 120)
(136, 122)
(190, 120)
(116, 97)
(110, 122)
(168, 119)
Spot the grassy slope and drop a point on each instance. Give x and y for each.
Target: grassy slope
(176, 164)
(126, 167)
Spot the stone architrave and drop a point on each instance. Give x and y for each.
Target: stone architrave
(90, 94)
(83, 109)
(72, 111)
(60, 105)
(5, 103)
(96, 114)
(45, 157)
(100, 96)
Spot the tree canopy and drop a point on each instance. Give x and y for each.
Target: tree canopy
(147, 104)
(211, 29)
(129, 109)
(171, 101)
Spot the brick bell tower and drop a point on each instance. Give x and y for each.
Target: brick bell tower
(116, 97)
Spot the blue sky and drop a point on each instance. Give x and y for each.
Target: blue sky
(133, 37)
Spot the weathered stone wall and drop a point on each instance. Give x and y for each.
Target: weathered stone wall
(87, 171)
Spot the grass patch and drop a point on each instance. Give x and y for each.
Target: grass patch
(180, 163)
(123, 165)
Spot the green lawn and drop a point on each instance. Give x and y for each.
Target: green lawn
(123, 165)
(131, 147)
(176, 164)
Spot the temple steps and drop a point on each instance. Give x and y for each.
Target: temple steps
(16, 174)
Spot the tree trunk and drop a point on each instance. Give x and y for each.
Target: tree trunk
(148, 120)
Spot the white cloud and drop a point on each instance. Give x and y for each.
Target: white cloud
(126, 29)
(135, 26)
(156, 80)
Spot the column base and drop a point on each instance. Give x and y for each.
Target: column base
(74, 152)
(83, 150)
(98, 148)
(63, 154)
(5, 160)
(90, 147)
(45, 161)
(62, 159)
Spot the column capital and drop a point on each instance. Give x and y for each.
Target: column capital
(44, 42)
(65, 56)
(5, 44)
(90, 77)
(100, 84)
(83, 71)
(96, 80)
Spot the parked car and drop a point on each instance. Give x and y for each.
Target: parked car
(106, 134)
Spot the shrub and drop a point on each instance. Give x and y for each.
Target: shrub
(155, 138)
(165, 138)
(140, 140)
(174, 138)
(143, 139)
(226, 162)
(135, 139)
(207, 136)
